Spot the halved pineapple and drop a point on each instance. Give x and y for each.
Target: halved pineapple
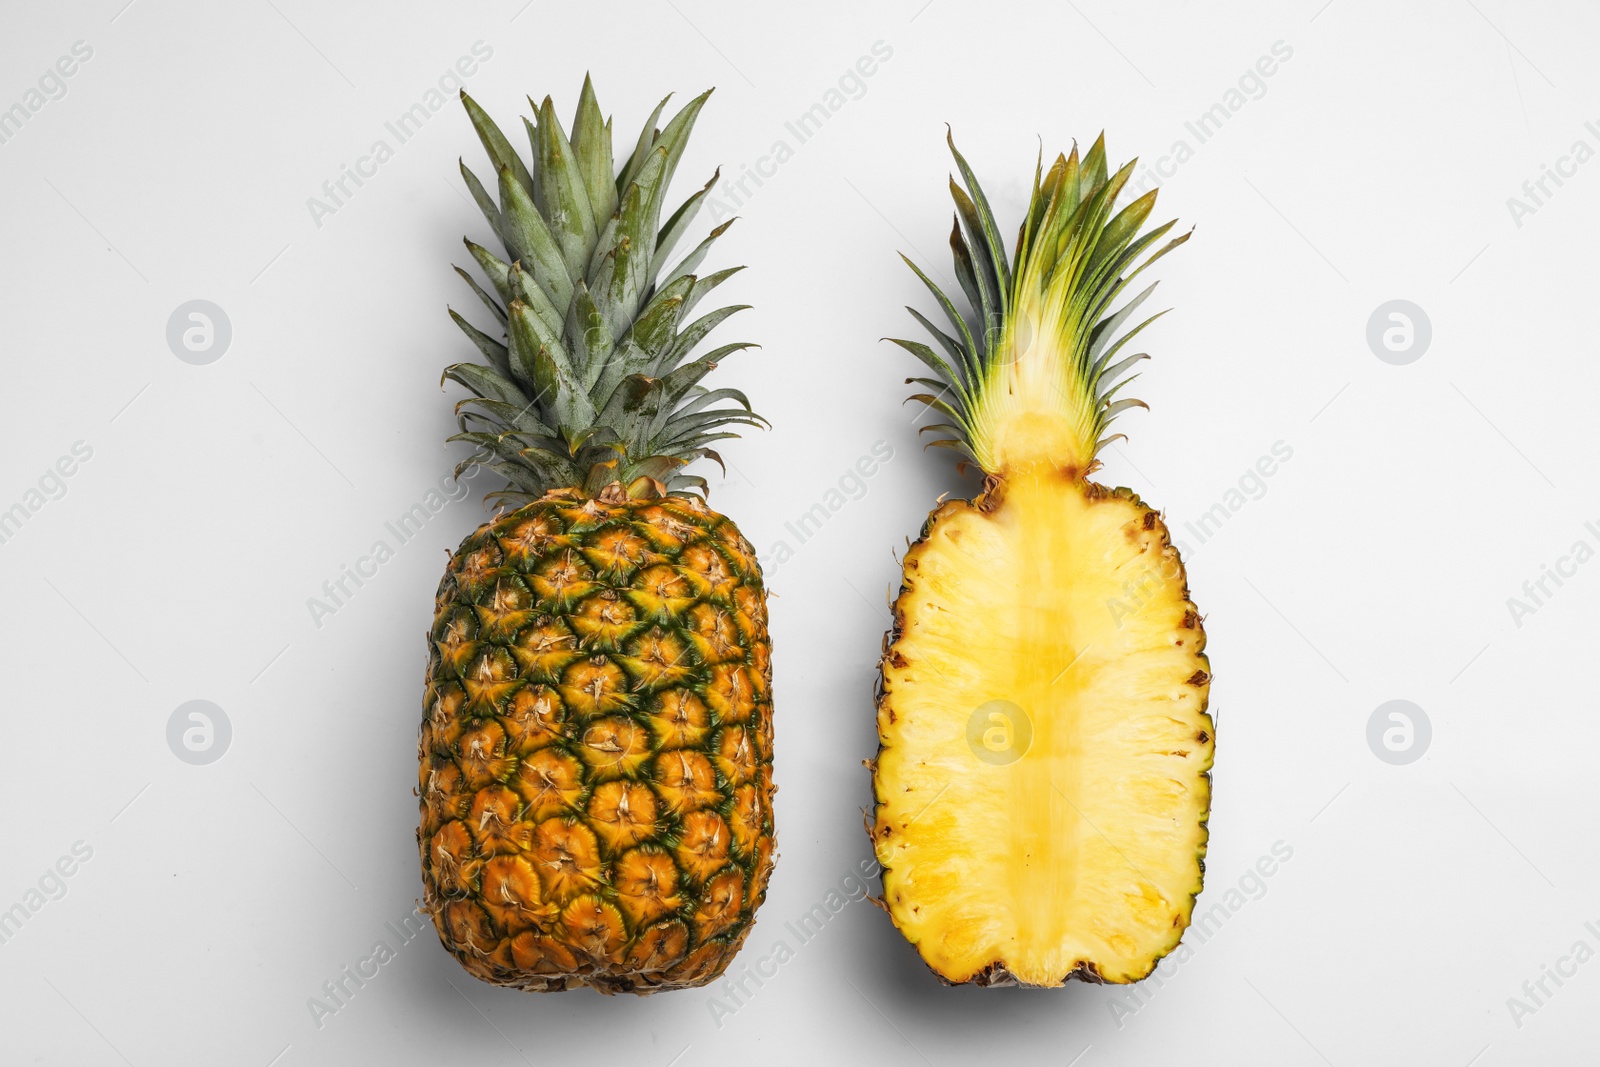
(1042, 782)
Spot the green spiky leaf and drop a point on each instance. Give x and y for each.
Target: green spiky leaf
(597, 379)
(1047, 350)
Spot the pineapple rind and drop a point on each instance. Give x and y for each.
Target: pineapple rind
(596, 747)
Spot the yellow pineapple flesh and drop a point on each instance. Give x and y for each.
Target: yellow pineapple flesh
(1068, 840)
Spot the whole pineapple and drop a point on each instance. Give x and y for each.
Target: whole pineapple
(1042, 780)
(596, 743)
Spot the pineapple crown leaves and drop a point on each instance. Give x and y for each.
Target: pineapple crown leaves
(1040, 337)
(590, 378)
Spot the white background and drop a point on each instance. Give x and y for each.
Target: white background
(1375, 165)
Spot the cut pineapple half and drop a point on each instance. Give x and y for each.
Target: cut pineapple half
(1043, 789)
(1042, 779)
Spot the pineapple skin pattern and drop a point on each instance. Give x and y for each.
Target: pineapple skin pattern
(596, 748)
(1043, 776)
